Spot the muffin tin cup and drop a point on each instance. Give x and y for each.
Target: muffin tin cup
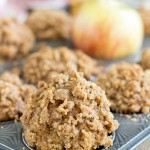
(26, 144)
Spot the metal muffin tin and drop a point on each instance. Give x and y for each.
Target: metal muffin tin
(132, 131)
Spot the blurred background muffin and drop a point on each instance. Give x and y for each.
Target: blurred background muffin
(145, 59)
(11, 103)
(48, 61)
(16, 39)
(50, 24)
(13, 78)
(127, 87)
(13, 96)
(145, 14)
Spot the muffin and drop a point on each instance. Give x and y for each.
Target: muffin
(68, 113)
(11, 103)
(10, 77)
(50, 24)
(24, 88)
(145, 59)
(47, 61)
(16, 39)
(127, 87)
(13, 95)
(145, 14)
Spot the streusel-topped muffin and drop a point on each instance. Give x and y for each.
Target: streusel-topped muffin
(11, 103)
(50, 24)
(145, 59)
(68, 113)
(127, 87)
(47, 61)
(13, 96)
(16, 39)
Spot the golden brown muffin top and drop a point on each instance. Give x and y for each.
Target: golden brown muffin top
(11, 103)
(47, 61)
(68, 113)
(16, 39)
(127, 87)
(50, 24)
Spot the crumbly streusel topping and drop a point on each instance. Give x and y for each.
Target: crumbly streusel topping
(11, 103)
(13, 94)
(16, 39)
(127, 87)
(145, 59)
(47, 61)
(50, 24)
(145, 14)
(68, 113)
(11, 78)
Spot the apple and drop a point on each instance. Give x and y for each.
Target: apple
(107, 29)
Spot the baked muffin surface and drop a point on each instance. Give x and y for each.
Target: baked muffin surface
(127, 87)
(68, 113)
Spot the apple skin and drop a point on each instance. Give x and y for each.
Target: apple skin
(107, 29)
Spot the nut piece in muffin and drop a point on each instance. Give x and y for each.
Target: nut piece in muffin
(16, 39)
(145, 59)
(50, 24)
(145, 14)
(127, 87)
(47, 61)
(13, 95)
(68, 113)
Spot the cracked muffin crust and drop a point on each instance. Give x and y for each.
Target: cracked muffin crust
(145, 59)
(50, 24)
(127, 87)
(47, 61)
(145, 14)
(68, 113)
(13, 94)
(16, 39)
